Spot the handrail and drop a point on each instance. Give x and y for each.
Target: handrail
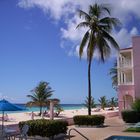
(77, 132)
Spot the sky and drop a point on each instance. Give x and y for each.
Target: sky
(39, 42)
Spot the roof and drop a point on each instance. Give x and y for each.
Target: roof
(126, 48)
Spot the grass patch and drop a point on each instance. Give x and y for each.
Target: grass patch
(133, 129)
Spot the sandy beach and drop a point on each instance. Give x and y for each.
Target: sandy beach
(15, 118)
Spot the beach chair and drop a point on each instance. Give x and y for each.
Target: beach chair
(97, 110)
(137, 125)
(23, 133)
(6, 118)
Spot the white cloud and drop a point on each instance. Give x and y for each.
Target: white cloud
(134, 31)
(59, 8)
(56, 8)
(71, 33)
(123, 9)
(123, 37)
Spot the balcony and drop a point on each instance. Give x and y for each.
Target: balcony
(127, 83)
(125, 77)
(126, 64)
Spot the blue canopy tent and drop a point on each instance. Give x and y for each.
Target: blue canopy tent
(7, 106)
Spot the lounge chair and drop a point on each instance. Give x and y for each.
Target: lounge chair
(6, 118)
(55, 114)
(97, 110)
(137, 125)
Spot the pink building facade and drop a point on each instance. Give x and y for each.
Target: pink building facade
(128, 66)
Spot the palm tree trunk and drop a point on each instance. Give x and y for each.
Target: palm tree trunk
(89, 88)
(40, 110)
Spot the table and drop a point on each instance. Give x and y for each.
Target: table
(10, 133)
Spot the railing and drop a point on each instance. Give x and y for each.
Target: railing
(126, 63)
(77, 132)
(128, 83)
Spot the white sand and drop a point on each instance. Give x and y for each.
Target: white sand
(17, 117)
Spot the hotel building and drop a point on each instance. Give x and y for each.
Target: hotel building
(128, 66)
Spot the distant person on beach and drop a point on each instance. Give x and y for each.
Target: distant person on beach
(32, 115)
(6, 117)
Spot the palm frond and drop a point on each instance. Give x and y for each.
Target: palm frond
(103, 48)
(83, 24)
(94, 10)
(84, 14)
(114, 76)
(91, 46)
(105, 8)
(111, 40)
(32, 97)
(83, 43)
(99, 10)
(110, 22)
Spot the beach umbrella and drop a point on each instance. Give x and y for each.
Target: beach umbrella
(7, 106)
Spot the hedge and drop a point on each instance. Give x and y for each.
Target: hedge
(45, 128)
(130, 116)
(133, 129)
(92, 120)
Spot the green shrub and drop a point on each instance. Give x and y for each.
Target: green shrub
(130, 116)
(89, 120)
(132, 129)
(136, 105)
(45, 128)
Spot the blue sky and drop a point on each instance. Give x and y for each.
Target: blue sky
(39, 42)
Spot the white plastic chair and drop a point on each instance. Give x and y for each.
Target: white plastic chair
(8, 134)
(23, 134)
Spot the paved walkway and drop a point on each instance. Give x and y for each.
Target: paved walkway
(114, 126)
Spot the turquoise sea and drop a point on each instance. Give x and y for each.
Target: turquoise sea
(64, 106)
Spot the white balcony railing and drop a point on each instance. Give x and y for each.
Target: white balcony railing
(126, 64)
(126, 83)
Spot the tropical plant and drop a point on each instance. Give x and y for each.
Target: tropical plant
(136, 105)
(97, 37)
(113, 74)
(56, 105)
(113, 102)
(40, 95)
(92, 102)
(59, 109)
(103, 102)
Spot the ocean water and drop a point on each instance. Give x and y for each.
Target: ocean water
(35, 109)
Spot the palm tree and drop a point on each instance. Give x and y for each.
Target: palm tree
(113, 74)
(103, 102)
(113, 102)
(40, 95)
(92, 102)
(59, 109)
(97, 36)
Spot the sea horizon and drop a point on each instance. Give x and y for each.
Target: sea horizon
(36, 109)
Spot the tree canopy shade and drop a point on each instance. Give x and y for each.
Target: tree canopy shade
(99, 24)
(40, 95)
